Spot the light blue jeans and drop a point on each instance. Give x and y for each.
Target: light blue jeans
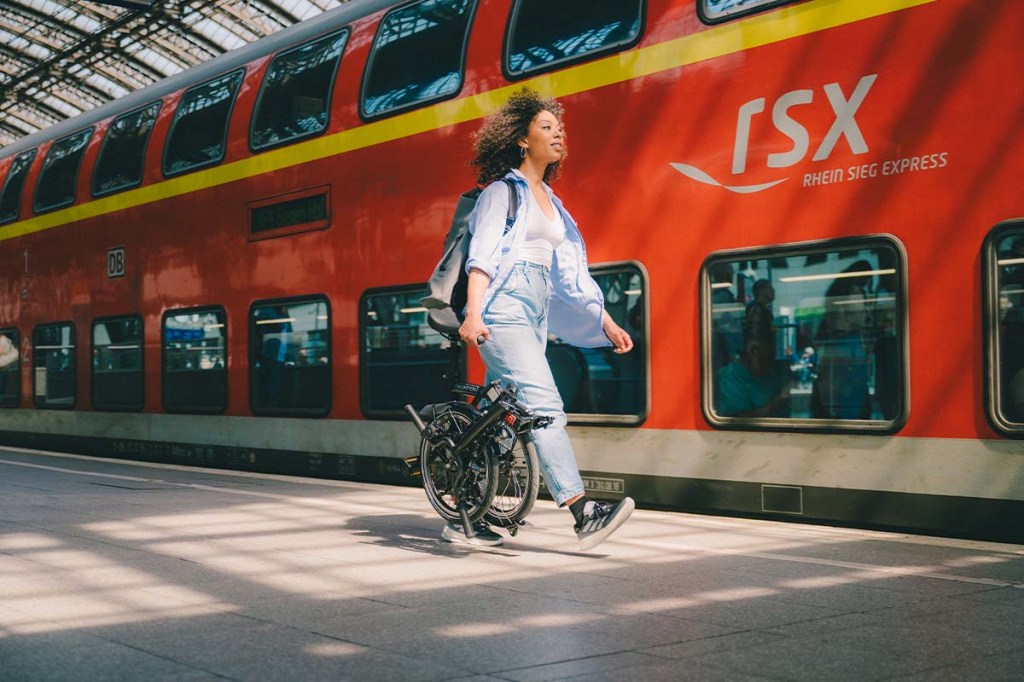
(517, 318)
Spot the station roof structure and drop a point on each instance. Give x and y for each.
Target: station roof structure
(59, 58)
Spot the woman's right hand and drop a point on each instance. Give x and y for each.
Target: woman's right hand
(472, 328)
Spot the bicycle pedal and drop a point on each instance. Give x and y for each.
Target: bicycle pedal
(412, 466)
(514, 528)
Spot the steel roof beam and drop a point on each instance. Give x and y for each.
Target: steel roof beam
(53, 36)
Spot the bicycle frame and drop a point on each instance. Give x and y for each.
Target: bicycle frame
(463, 451)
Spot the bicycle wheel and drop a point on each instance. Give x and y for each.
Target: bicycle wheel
(447, 479)
(518, 480)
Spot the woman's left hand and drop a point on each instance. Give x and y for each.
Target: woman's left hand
(619, 337)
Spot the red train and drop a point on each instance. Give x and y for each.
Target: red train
(806, 212)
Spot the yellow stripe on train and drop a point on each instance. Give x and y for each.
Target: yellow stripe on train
(729, 38)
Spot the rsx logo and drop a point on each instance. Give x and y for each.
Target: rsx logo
(844, 126)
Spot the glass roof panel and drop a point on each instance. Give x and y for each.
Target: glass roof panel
(51, 66)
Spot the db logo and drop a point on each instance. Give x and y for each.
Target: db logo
(843, 126)
(115, 262)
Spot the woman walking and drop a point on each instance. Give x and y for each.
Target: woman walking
(530, 278)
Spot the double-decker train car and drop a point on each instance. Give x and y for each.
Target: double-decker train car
(806, 212)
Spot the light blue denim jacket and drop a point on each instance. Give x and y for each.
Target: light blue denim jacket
(577, 304)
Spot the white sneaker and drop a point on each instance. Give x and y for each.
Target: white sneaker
(484, 535)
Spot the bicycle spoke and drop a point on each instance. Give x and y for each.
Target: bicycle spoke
(449, 480)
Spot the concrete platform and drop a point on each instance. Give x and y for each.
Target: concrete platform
(112, 570)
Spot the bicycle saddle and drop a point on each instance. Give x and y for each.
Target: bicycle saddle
(445, 322)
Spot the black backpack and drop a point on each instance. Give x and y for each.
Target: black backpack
(446, 287)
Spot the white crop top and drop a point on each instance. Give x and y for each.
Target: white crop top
(542, 235)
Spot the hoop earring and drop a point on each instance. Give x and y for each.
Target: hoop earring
(522, 152)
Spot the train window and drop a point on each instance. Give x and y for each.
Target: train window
(546, 34)
(1004, 287)
(714, 11)
(295, 98)
(59, 176)
(200, 128)
(809, 336)
(53, 366)
(290, 357)
(195, 360)
(119, 165)
(10, 198)
(402, 359)
(417, 57)
(117, 364)
(596, 384)
(10, 367)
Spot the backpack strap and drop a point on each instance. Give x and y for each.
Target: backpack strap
(513, 205)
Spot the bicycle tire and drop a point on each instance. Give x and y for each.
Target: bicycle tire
(477, 488)
(518, 484)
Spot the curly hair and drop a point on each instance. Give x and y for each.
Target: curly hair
(497, 142)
